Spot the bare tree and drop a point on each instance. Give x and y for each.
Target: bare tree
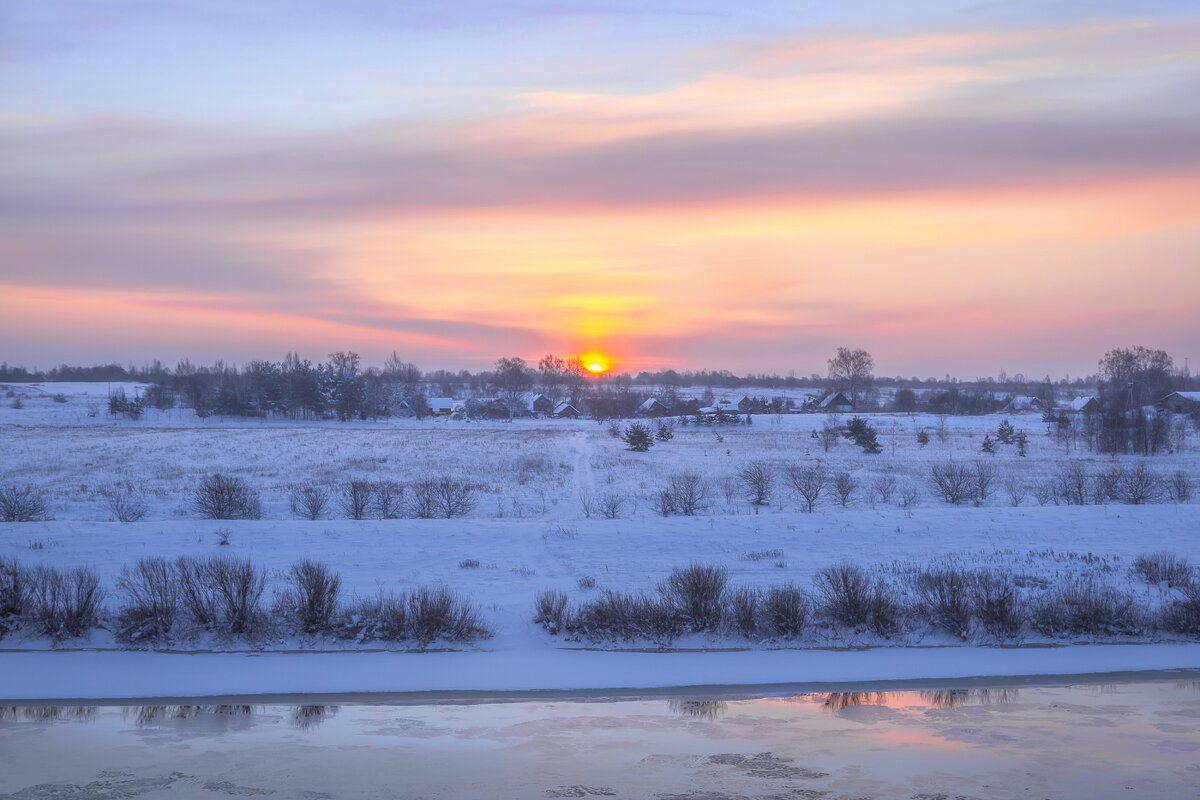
(757, 482)
(807, 481)
(309, 500)
(24, 503)
(844, 485)
(455, 498)
(387, 499)
(125, 502)
(611, 505)
(689, 493)
(1016, 489)
(355, 499)
(982, 476)
(829, 434)
(850, 371)
(1140, 485)
(883, 487)
(952, 481)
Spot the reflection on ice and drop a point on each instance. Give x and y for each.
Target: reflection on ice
(1068, 741)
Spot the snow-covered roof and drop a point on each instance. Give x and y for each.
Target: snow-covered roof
(1080, 403)
(649, 404)
(834, 398)
(441, 402)
(1193, 396)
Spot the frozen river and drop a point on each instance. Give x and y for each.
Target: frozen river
(1133, 740)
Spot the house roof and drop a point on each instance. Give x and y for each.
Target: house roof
(832, 398)
(1193, 396)
(649, 404)
(1079, 403)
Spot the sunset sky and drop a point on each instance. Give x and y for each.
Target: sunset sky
(957, 187)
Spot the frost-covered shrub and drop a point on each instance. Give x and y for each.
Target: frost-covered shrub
(426, 614)
(221, 593)
(952, 481)
(225, 497)
(437, 613)
(845, 594)
(616, 616)
(356, 498)
(15, 593)
(550, 610)
(785, 611)
(125, 503)
(1163, 567)
(444, 497)
(758, 482)
(1084, 607)
(1182, 615)
(65, 603)
(1179, 487)
(23, 503)
(944, 595)
(309, 500)
(744, 603)
(698, 593)
(387, 499)
(996, 604)
(311, 597)
(151, 604)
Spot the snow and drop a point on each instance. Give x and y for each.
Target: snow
(529, 532)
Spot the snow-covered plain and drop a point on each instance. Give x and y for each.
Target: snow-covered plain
(529, 532)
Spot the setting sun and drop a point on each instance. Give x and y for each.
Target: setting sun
(594, 367)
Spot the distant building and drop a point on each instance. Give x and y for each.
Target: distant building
(652, 408)
(565, 409)
(441, 406)
(1023, 402)
(535, 403)
(835, 402)
(1089, 404)
(1180, 402)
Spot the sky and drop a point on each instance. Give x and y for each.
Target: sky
(957, 187)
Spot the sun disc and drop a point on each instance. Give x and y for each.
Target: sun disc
(593, 367)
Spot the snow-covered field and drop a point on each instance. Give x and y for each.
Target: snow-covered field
(529, 530)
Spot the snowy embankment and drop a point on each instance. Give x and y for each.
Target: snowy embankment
(519, 558)
(140, 675)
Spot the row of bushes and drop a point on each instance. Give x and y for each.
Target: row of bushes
(166, 600)
(225, 497)
(983, 604)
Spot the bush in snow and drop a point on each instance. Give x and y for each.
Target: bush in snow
(550, 610)
(945, 596)
(850, 599)
(24, 503)
(744, 604)
(311, 597)
(224, 497)
(952, 481)
(151, 604)
(387, 499)
(1163, 567)
(698, 593)
(616, 615)
(65, 603)
(222, 593)
(437, 613)
(356, 498)
(125, 503)
(996, 604)
(15, 593)
(308, 500)
(785, 611)
(1082, 607)
(1182, 615)
(444, 497)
